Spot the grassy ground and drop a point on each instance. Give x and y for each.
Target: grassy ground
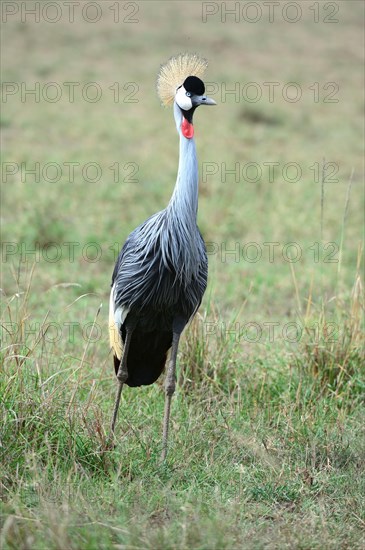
(267, 443)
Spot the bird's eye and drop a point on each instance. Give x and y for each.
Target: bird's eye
(188, 94)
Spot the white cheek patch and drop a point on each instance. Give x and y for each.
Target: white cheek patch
(183, 101)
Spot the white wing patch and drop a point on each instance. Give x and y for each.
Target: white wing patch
(116, 319)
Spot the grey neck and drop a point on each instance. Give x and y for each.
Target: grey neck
(183, 235)
(184, 201)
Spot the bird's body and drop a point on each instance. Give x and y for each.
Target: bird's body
(151, 288)
(160, 275)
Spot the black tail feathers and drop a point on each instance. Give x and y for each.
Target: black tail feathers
(146, 358)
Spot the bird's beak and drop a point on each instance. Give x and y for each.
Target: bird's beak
(204, 100)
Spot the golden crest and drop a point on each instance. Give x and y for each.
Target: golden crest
(173, 73)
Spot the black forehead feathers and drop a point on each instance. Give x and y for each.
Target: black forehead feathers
(194, 85)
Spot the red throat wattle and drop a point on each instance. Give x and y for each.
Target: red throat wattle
(187, 128)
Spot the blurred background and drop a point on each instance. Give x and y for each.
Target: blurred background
(89, 153)
(267, 430)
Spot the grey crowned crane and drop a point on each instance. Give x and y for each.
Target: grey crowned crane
(161, 273)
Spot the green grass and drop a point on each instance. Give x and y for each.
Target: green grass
(267, 444)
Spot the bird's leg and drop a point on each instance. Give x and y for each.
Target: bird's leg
(170, 384)
(122, 375)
